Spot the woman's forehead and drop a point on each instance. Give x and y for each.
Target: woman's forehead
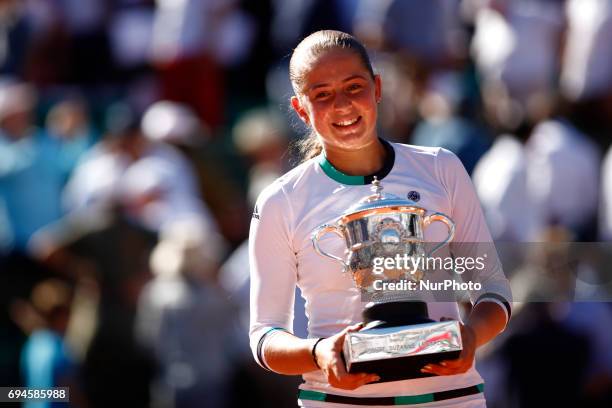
(333, 65)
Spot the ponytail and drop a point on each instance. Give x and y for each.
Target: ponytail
(309, 147)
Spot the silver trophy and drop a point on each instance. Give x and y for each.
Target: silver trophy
(398, 338)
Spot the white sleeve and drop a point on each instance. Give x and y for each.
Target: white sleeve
(472, 237)
(273, 269)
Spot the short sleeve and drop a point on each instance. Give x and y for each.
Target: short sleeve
(472, 237)
(273, 269)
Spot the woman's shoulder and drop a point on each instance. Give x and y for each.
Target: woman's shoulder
(415, 149)
(437, 155)
(285, 184)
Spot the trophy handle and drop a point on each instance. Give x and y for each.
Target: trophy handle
(322, 230)
(449, 223)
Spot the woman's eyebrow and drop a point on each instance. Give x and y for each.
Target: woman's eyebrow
(324, 84)
(356, 76)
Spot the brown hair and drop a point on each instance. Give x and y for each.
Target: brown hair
(307, 51)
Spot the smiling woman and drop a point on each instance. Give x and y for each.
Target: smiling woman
(336, 92)
(336, 95)
(338, 99)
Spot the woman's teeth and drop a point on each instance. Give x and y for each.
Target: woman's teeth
(347, 122)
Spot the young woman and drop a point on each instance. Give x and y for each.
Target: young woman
(336, 95)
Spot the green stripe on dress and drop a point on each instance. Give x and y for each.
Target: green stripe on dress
(312, 395)
(337, 175)
(414, 399)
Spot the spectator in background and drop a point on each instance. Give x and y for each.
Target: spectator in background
(544, 153)
(84, 25)
(46, 359)
(552, 312)
(30, 189)
(185, 319)
(106, 254)
(563, 178)
(586, 82)
(292, 20)
(443, 127)
(191, 42)
(541, 172)
(399, 106)
(261, 137)
(155, 182)
(565, 150)
(424, 32)
(587, 58)
(153, 193)
(500, 176)
(126, 190)
(518, 43)
(15, 37)
(68, 123)
(31, 180)
(176, 125)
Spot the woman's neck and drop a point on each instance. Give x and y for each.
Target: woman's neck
(367, 160)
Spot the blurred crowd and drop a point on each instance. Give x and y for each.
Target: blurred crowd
(135, 136)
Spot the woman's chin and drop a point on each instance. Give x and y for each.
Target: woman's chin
(355, 141)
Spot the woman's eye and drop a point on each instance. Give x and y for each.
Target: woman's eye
(354, 87)
(321, 95)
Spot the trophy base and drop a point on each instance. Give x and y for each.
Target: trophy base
(398, 340)
(401, 368)
(398, 313)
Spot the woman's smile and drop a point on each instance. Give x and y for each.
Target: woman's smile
(348, 124)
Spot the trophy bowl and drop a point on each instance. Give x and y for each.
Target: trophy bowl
(398, 338)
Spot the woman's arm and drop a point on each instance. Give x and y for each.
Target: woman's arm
(287, 354)
(273, 271)
(486, 321)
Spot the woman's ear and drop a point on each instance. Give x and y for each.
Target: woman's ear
(299, 109)
(377, 88)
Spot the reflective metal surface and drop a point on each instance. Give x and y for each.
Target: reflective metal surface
(393, 342)
(381, 226)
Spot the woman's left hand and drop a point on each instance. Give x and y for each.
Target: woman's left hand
(465, 359)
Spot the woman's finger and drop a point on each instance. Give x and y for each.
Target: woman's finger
(348, 329)
(353, 328)
(351, 381)
(444, 370)
(452, 363)
(341, 335)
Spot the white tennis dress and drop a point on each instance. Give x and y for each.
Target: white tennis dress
(282, 256)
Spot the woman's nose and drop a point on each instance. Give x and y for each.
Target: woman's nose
(342, 101)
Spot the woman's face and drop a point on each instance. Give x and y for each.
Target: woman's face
(338, 99)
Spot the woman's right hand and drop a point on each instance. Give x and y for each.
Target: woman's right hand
(328, 355)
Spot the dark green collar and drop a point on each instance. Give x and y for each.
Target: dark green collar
(340, 177)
